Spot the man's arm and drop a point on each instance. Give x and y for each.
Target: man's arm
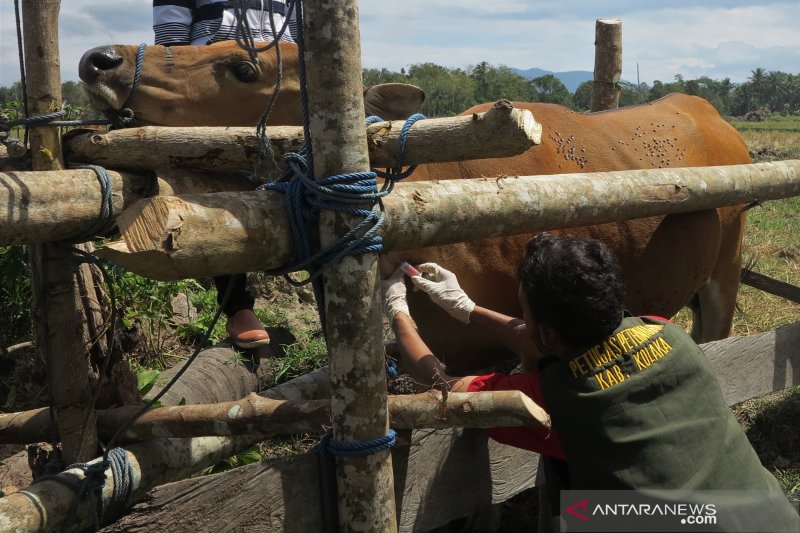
(425, 369)
(510, 331)
(172, 21)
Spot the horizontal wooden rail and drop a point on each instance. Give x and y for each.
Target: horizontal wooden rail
(503, 131)
(201, 235)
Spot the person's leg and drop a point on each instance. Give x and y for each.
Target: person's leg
(243, 326)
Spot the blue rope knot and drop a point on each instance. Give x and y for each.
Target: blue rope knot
(397, 173)
(358, 447)
(304, 198)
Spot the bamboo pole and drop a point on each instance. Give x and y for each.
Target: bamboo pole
(59, 309)
(249, 235)
(353, 322)
(607, 64)
(500, 132)
(268, 417)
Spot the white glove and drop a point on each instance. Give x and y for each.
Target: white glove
(444, 290)
(394, 295)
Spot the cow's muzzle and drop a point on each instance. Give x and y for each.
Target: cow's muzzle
(97, 61)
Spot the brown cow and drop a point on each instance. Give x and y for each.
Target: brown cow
(668, 261)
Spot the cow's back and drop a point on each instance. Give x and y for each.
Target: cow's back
(665, 259)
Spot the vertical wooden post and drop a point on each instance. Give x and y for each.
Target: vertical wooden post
(352, 302)
(57, 303)
(607, 64)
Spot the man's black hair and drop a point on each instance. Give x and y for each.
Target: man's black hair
(573, 285)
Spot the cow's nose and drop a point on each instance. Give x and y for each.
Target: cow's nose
(96, 61)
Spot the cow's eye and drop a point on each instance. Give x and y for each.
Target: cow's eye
(245, 71)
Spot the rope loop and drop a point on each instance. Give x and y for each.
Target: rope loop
(356, 448)
(106, 220)
(397, 173)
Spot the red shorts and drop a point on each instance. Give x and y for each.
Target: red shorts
(538, 439)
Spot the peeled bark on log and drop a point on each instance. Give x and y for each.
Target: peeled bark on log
(314, 385)
(500, 132)
(607, 64)
(187, 236)
(218, 374)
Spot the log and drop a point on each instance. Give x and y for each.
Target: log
(58, 205)
(352, 316)
(63, 290)
(171, 238)
(43, 506)
(774, 286)
(746, 367)
(607, 64)
(267, 417)
(218, 374)
(439, 476)
(501, 132)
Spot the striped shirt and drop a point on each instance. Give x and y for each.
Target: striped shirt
(201, 22)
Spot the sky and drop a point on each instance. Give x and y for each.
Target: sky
(714, 38)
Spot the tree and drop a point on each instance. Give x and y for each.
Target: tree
(549, 89)
(582, 99)
(494, 83)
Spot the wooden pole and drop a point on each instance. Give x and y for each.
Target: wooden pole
(607, 64)
(63, 338)
(431, 213)
(500, 132)
(352, 301)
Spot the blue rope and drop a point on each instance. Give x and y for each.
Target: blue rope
(122, 473)
(358, 447)
(106, 220)
(306, 197)
(93, 482)
(391, 368)
(397, 173)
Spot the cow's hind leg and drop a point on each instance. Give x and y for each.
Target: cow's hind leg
(714, 304)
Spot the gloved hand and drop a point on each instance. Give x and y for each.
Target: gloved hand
(444, 290)
(394, 295)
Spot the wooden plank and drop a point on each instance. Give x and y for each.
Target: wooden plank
(755, 365)
(439, 476)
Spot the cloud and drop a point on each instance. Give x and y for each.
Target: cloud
(716, 38)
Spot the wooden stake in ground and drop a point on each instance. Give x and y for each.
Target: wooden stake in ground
(352, 303)
(63, 337)
(607, 64)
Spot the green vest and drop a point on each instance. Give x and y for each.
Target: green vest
(644, 410)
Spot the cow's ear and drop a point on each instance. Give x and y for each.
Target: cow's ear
(393, 101)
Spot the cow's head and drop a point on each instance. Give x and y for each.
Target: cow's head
(215, 85)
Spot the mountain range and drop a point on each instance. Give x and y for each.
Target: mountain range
(571, 79)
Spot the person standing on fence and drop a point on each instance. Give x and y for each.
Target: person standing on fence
(634, 403)
(202, 22)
